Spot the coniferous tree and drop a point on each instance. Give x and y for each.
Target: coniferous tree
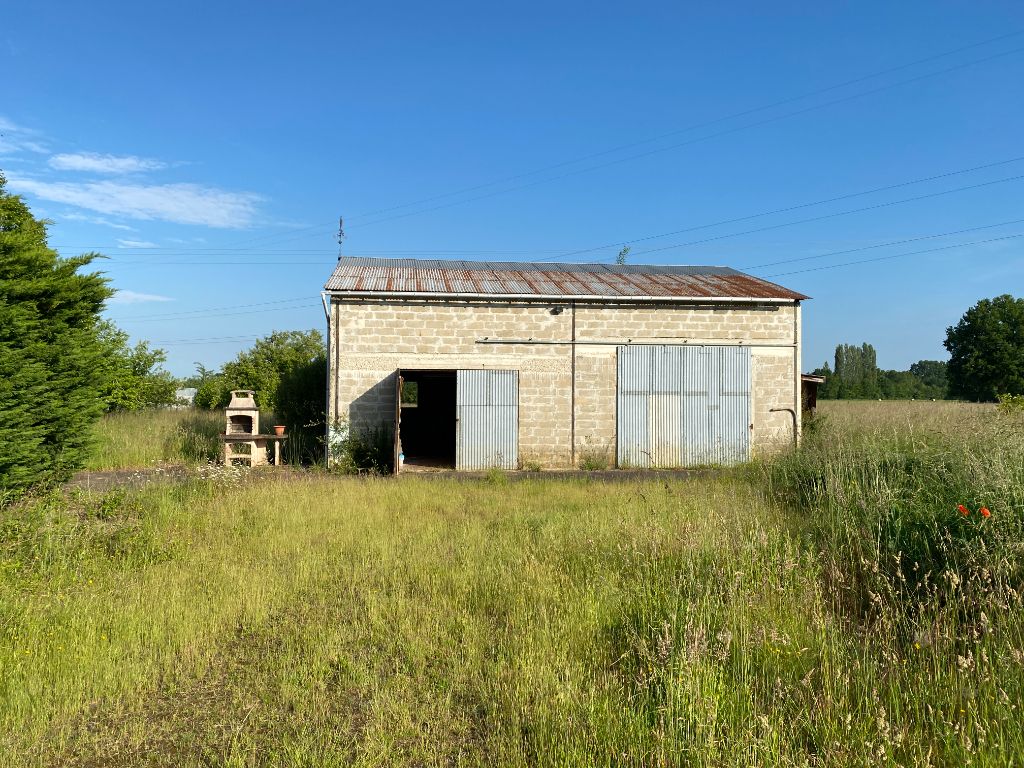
(51, 372)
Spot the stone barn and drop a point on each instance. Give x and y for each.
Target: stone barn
(471, 365)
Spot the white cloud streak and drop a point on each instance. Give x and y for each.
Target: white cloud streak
(135, 244)
(15, 139)
(96, 163)
(97, 220)
(134, 297)
(176, 203)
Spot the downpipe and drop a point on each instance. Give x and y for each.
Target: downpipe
(792, 413)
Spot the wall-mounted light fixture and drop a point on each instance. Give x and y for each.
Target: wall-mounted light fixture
(557, 310)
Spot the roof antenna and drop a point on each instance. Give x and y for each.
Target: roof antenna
(341, 233)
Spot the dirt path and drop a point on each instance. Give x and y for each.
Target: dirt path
(101, 481)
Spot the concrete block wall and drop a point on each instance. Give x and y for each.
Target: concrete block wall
(371, 339)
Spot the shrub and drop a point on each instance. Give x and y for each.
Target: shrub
(1010, 403)
(368, 450)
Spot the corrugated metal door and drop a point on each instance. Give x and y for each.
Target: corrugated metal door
(682, 406)
(487, 413)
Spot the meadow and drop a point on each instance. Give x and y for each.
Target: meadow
(832, 606)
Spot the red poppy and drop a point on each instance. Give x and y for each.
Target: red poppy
(984, 512)
(963, 510)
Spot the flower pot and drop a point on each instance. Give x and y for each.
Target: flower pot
(279, 429)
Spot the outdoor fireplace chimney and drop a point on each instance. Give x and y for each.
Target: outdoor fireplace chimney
(243, 417)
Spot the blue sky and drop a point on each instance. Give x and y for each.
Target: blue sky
(208, 149)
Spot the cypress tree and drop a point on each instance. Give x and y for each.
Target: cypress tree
(51, 367)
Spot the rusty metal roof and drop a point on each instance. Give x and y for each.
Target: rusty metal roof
(442, 278)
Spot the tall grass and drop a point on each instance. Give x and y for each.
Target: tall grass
(137, 439)
(343, 621)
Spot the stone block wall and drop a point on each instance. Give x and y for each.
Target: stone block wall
(371, 339)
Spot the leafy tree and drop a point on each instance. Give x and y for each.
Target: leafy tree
(200, 377)
(986, 350)
(288, 371)
(52, 373)
(135, 379)
(263, 367)
(932, 374)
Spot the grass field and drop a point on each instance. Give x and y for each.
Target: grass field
(831, 607)
(139, 439)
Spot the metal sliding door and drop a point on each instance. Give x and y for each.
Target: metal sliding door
(487, 414)
(682, 406)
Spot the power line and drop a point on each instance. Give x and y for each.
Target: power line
(885, 245)
(780, 274)
(301, 232)
(699, 139)
(233, 306)
(715, 238)
(694, 126)
(236, 339)
(204, 313)
(797, 207)
(210, 340)
(565, 254)
(209, 315)
(833, 215)
(896, 256)
(306, 251)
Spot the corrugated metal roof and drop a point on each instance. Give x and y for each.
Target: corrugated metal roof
(446, 278)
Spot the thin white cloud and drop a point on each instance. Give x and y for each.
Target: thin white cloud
(97, 220)
(135, 244)
(177, 203)
(15, 139)
(134, 297)
(97, 163)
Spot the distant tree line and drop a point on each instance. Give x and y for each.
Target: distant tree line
(856, 376)
(986, 362)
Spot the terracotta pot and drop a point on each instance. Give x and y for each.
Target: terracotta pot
(279, 429)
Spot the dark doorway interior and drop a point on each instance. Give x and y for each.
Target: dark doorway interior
(427, 428)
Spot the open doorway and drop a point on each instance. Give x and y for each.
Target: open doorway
(426, 424)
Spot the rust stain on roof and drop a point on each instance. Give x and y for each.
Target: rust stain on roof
(446, 278)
